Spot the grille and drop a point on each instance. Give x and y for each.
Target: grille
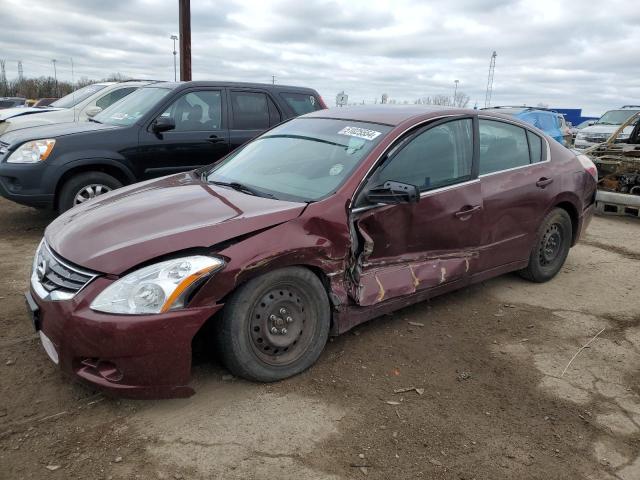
(56, 274)
(596, 138)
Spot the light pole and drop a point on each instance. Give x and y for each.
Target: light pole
(455, 92)
(175, 68)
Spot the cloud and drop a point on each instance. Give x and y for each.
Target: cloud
(559, 53)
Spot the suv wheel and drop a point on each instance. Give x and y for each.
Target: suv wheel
(275, 325)
(551, 248)
(85, 186)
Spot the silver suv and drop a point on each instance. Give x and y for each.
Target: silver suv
(75, 107)
(607, 124)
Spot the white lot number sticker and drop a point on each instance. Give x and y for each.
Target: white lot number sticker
(359, 132)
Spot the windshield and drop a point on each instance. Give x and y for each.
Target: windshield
(305, 159)
(127, 111)
(616, 117)
(76, 97)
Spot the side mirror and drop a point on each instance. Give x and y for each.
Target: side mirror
(163, 124)
(392, 193)
(93, 111)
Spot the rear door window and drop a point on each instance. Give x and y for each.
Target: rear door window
(301, 103)
(274, 114)
(502, 146)
(250, 110)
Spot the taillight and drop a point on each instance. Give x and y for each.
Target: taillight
(321, 102)
(589, 166)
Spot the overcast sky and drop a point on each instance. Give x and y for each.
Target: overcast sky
(560, 53)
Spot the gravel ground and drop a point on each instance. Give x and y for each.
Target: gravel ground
(490, 396)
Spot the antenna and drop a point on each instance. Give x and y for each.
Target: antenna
(492, 68)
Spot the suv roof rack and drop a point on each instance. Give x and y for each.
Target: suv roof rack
(630, 106)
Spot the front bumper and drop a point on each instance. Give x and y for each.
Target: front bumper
(28, 184)
(132, 356)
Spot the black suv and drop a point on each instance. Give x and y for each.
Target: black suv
(157, 130)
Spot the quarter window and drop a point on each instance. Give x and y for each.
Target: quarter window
(250, 111)
(502, 146)
(301, 103)
(196, 111)
(439, 156)
(535, 147)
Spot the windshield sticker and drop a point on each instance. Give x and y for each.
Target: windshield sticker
(359, 132)
(336, 169)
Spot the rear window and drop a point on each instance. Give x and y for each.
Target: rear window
(301, 103)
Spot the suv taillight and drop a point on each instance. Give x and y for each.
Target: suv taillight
(589, 166)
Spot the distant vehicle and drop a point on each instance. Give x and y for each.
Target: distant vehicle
(44, 102)
(12, 102)
(576, 129)
(549, 121)
(159, 129)
(75, 107)
(601, 130)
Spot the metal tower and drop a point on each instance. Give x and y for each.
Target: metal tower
(492, 68)
(20, 74)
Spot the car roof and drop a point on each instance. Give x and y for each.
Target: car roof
(206, 83)
(386, 114)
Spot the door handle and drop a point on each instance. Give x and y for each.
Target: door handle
(543, 182)
(215, 139)
(467, 211)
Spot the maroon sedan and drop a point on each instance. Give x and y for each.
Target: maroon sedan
(320, 224)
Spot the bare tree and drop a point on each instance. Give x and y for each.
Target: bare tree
(460, 100)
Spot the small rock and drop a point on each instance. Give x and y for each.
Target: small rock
(364, 470)
(416, 324)
(464, 376)
(392, 402)
(118, 459)
(10, 362)
(530, 326)
(435, 462)
(361, 455)
(52, 468)
(227, 378)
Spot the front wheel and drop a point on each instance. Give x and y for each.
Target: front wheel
(552, 246)
(275, 325)
(85, 186)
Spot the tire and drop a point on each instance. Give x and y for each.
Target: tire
(101, 183)
(290, 300)
(551, 248)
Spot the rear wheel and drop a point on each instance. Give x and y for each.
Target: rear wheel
(552, 246)
(85, 186)
(275, 325)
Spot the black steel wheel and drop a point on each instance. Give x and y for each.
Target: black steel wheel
(275, 326)
(552, 246)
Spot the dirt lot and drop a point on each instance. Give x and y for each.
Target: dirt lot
(489, 358)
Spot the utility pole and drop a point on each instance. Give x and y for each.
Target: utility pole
(175, 68)
(3, 78)
(455, 92)
(492, 68)
(20, 73)
(55, 75)
(273, 79)
(185, 40)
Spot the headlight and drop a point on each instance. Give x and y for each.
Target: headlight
(157, 288)
(32, 152)
(623, 136)
(581, 136)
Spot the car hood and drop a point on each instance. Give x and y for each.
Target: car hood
(608, 129)
(132, 225)
(16, 112)
(52, 131)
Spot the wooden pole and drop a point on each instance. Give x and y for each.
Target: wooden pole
(185, 40)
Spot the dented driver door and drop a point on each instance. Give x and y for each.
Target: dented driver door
(411, 248)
